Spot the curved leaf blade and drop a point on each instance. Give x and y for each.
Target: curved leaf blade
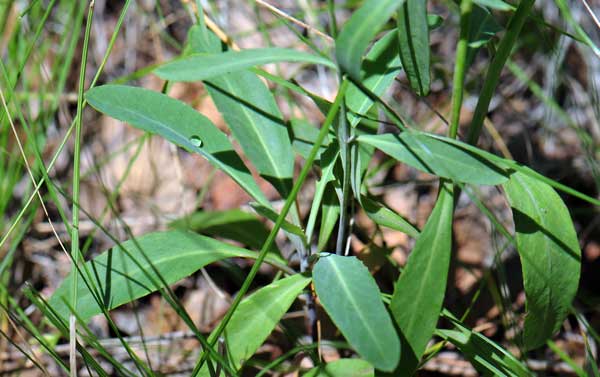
(358, 32)
(419, 292)
(379, 68)
(413, 35)
(252, 115)
(343, 368)
(351, 297)
(129, 271)
(177, 122)
(485, 355)
(384, 216)
(257, 316)
(435, 156)
(199, 67)
(549, 252)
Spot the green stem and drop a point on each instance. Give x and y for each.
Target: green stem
(493, 74)
(75, 253)
(280, 219)
(460, 68)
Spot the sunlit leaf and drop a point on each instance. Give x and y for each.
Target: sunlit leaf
(342, 368)
(252, 114)
(549, 252)
(419, 292)
(177, 122)
(437, 157)
(257, 316)
(233, 224)
(198, 67)
(131, 270)
(352, 299)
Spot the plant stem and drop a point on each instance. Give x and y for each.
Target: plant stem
(460, 68)
(344, 138)
(75, 253)
(280, 219)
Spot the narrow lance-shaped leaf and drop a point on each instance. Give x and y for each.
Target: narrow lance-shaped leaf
(233, 224)
(198, 67)
(329, 216)
(342, 368)
(486, 356)
(252, 114)
(352, 299)
(379, 68)
(130, 270)
(177, 122)
(384, 216)
(257, 316)
(419, 292)
(438, 157)
(359, 31)
(549, 252)
(413, 36)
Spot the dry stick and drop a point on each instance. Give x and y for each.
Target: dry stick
(75, 252)
(592, 14)
(282, 14)
(280, 219)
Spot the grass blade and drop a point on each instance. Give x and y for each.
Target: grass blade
(351, 297)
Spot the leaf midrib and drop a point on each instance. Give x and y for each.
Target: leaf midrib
(345, 287)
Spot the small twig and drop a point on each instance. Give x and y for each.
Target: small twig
(282, 14)
(592, 14)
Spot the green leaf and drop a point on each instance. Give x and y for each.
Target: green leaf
(549, 252)
(413, 35)
(358, 32)
(379, 68)
(436, 156)
(434, 21)
(485, 355)
(304, 135)
(233, 224)
(256, 317)
(272, 215)
(177, 122)
(130, 270)
(198, 67)
(251, 113)
(352, 299)
(342, 368)
(330, 212)
(482, 28)
(494, 4)
(419, 292)
(384, 216)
